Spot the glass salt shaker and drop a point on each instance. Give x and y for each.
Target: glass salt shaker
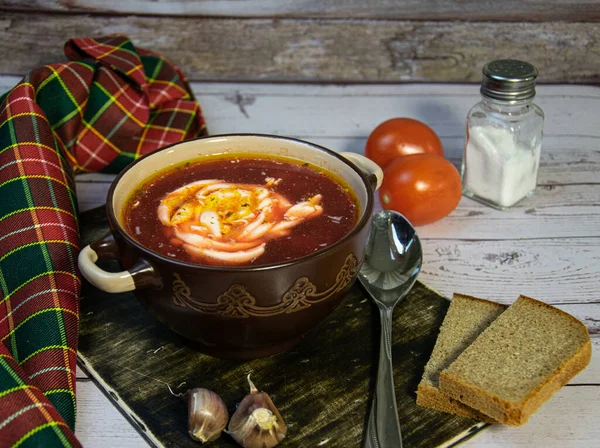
(504, 136)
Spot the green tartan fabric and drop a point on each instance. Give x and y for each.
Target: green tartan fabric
(109, 105)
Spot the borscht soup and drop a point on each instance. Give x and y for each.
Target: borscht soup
(240, 210)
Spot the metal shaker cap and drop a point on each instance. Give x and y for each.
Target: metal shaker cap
(508, 80)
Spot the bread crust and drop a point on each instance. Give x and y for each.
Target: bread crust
(431, 397)
(477, 299)
(518, 413)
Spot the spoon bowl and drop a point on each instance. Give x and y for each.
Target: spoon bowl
(392, 263)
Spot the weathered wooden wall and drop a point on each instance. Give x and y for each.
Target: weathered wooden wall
(319, 41)
(485, 10)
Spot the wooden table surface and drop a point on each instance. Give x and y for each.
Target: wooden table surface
(547, 247)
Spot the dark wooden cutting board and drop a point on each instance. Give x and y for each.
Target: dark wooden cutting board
(322, 387)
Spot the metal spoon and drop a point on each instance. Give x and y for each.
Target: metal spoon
(392, 263)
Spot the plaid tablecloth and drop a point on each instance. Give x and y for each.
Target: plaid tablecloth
(110, 104)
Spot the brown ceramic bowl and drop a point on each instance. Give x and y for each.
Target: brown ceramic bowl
(235, 312)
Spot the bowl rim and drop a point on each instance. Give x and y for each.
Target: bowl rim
(365, 218)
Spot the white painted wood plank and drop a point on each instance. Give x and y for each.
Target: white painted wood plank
(80, 374)
(92, 194)
(378, 90)
(569, 419)
(552, 212)
(100, 424)
(353, 111)
(555, 271)
(329, 113)
(591, 374)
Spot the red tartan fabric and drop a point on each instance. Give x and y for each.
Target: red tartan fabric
(108, 106)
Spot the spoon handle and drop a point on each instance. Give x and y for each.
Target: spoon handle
(383, 428)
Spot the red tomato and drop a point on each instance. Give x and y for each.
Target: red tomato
(401, 137)
(423, 187)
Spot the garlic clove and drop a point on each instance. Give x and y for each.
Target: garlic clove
(256, 423)
(207, 415)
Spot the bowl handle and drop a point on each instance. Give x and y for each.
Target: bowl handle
(141, 275)
(367, 166)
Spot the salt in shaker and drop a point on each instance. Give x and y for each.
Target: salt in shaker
(504, 136)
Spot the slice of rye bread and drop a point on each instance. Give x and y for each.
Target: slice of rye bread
(465, 319)
(519, 361)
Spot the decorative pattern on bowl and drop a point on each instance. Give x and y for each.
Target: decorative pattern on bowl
(239, 303)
